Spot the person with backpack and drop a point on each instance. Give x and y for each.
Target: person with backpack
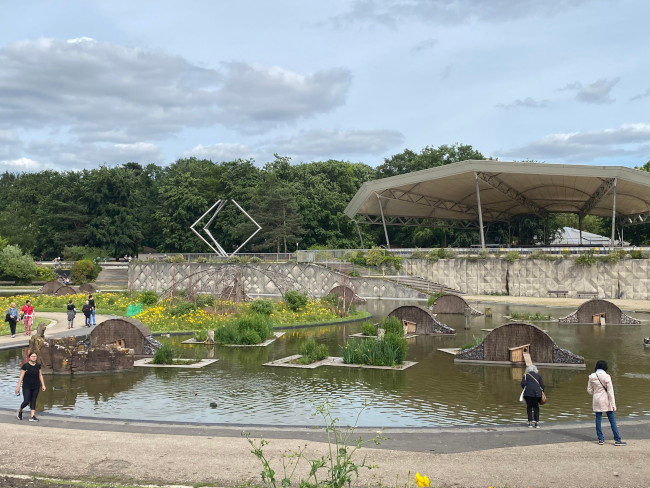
(86, 309)
(533, 386)
(601, 388)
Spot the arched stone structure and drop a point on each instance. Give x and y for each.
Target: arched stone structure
(88, 288)
(425, 322)
(50, 287)
(65, 290)
(347, 294)
(586, 311)
(216, 280)
(450, 303)
(134, 334)
(497, 344)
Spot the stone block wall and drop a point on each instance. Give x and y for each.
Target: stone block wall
(628, 279)
(263, 279)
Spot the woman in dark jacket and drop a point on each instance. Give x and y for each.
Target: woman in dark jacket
(533, 386)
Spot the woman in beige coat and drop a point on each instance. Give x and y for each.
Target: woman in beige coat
(600, 387)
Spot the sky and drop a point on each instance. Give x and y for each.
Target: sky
(91, 83)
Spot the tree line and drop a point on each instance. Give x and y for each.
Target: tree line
(123, 209)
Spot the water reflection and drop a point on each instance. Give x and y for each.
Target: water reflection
(434, 392)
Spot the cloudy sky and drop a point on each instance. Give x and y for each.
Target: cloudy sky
(86, 83)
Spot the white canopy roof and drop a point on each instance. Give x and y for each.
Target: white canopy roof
(506, 189)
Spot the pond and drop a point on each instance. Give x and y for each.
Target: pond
(435, 392)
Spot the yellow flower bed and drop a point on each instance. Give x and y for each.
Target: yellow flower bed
(164, 317)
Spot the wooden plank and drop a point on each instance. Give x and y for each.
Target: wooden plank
(527, 359)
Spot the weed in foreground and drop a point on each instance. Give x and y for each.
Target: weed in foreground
(335, 470)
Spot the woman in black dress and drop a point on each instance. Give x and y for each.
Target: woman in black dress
(31, 379)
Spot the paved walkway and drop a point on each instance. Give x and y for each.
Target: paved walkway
(57, 328)
(557, 455)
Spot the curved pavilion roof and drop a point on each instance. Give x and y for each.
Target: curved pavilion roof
(506, 189)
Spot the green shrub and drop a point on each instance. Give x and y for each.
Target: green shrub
(41, 273)
(418, 255)
(201, 335)
(201, 259)
(392, 325)
(148, 298)
(537, 316)
(637, 254)
(233, 260)
(164, 355)
(512, 256)
(255, 260)
(248, 329)
(84, 271)
(204, 300)
(484, 254)
(397, 345)
(295, 300)
(264, 307)
(354, 273)
(586, 259)
(381, 257)
(176, 258)
(312, 352)
(566, 253)
(450, 254)
(472, 258)
(14, 265)
(369, 329)
(182, 308)
(358, 258)
(613, 257)
(249, 337)
(433, 256)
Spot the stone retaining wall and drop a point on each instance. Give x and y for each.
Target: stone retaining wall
(629, 278)
(259, 279)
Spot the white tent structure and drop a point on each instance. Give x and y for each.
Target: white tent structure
(476, 191)
(571, 237)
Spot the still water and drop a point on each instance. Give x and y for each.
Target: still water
(435, 392)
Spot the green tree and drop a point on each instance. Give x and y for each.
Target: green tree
(429, 157)
(15, 265)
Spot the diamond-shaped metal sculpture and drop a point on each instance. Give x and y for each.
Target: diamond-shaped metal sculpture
(218, 205)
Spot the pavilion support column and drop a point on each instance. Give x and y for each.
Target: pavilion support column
(480, 213)
(580, 228)
(383, 221)
(359, 231)
(611, 242)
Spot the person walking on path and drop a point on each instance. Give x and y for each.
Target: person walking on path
(31, 379)
(91, 302)
(28, 317)
(71, 314)
(533, 386)
(12, 318)
(86, 311)
(601, 388)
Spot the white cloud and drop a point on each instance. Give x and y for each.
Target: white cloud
(596, 92)
(393, 12)
(254, 99)
(21, 164)
(110, 93)
(628, 140)
(221, 152)
(328, 143)
(527, 102)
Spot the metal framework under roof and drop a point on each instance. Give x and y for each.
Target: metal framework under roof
(476, 191)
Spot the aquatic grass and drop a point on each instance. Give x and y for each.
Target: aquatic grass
(390, 351)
